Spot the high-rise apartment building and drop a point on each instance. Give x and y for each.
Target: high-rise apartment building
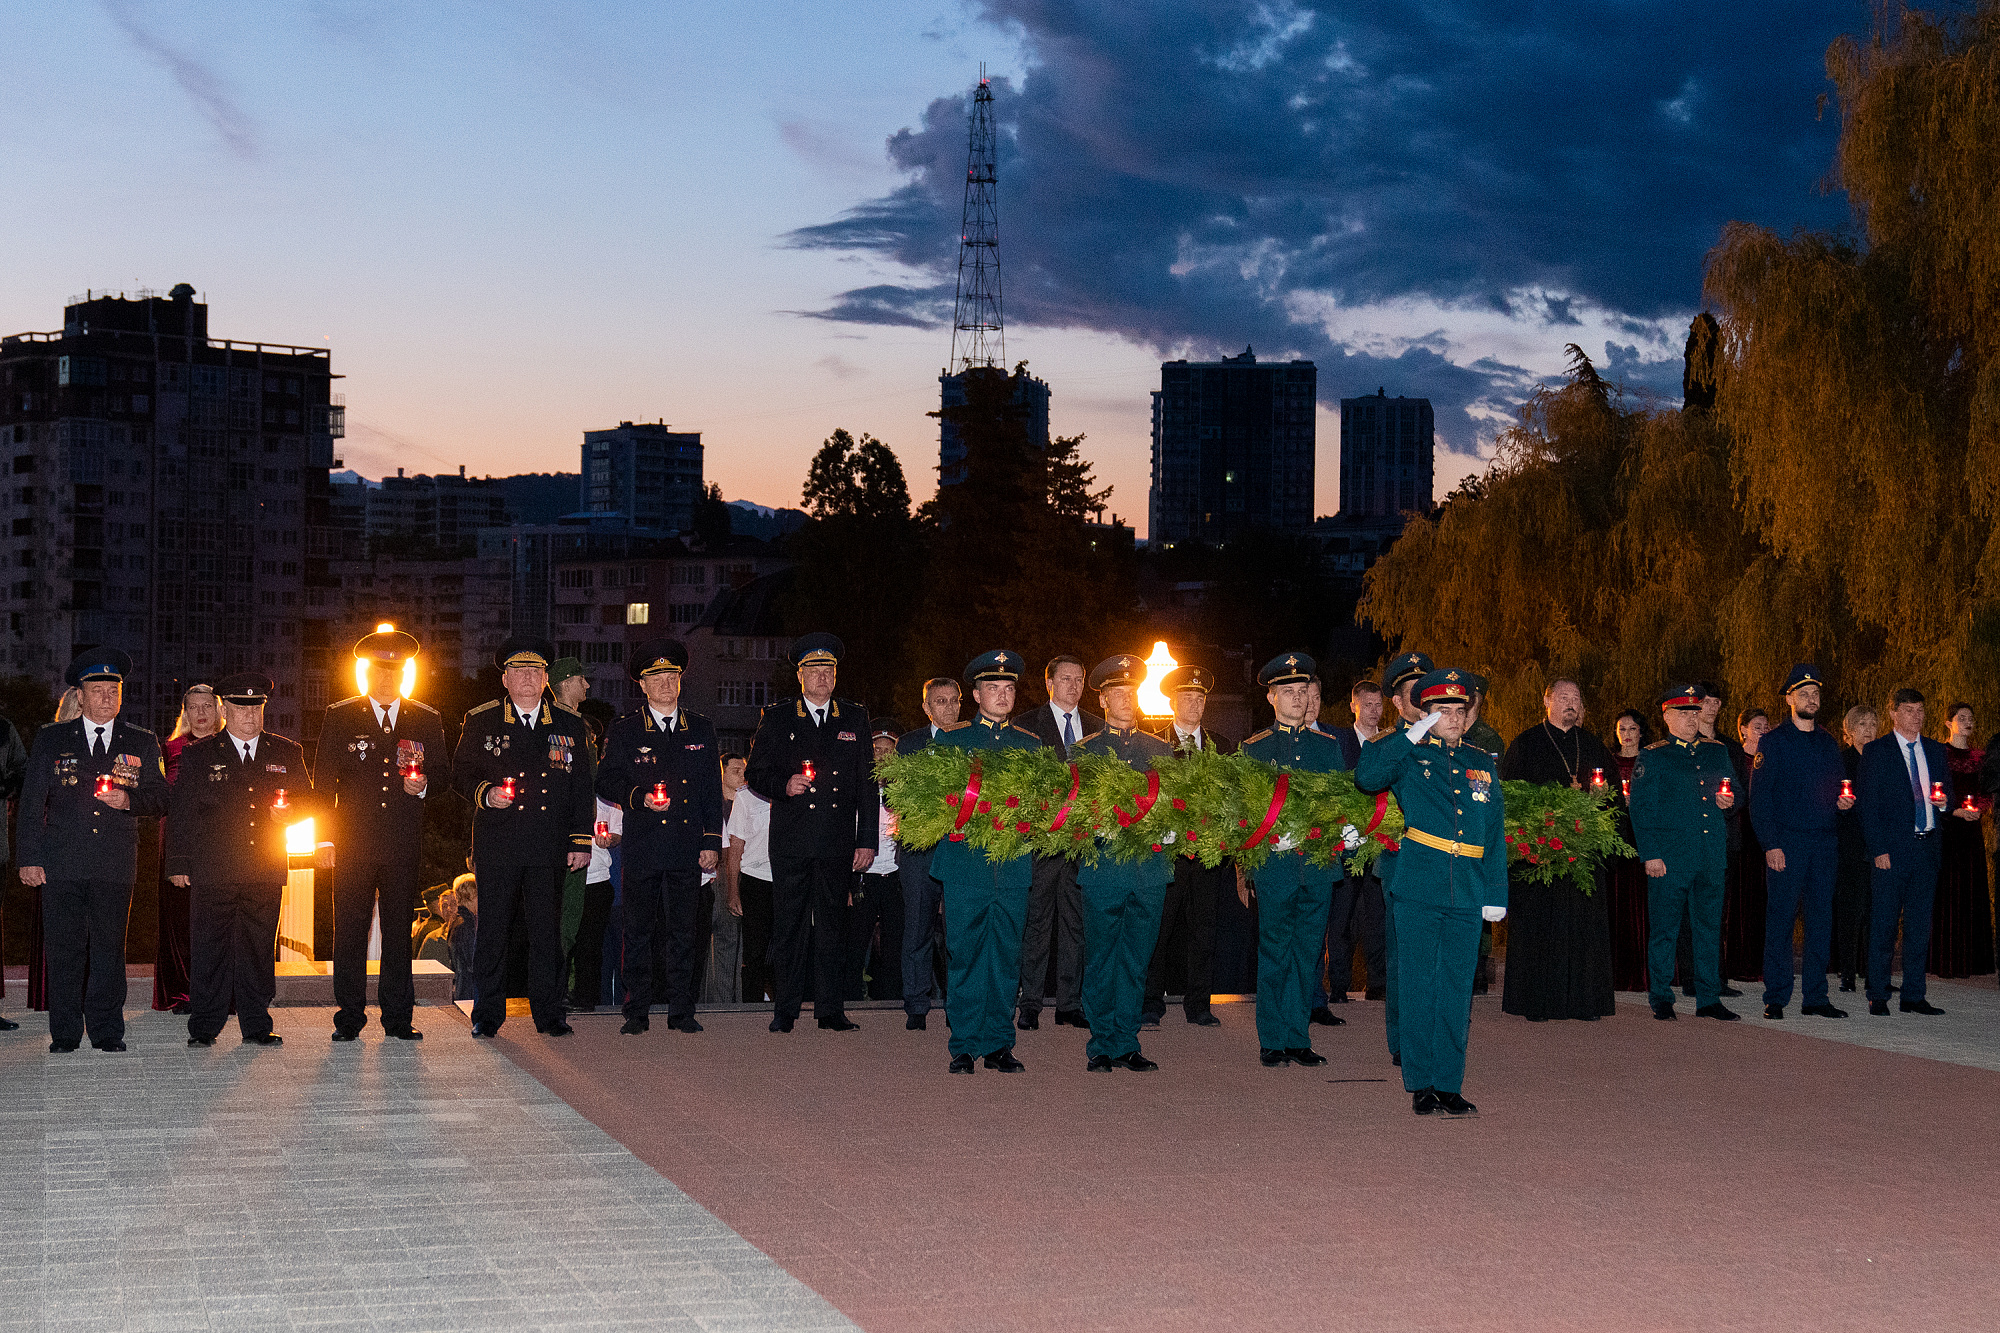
(1232, 448)
(1029, 394)
(647, 474)
(166, 494)
(1386, 455)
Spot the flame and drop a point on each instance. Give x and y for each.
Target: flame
(1152, 703)
(299, 839)
(385, 627)
(406, 686)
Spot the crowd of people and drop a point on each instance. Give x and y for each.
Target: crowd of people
(630, 861)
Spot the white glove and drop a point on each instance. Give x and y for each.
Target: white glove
(1284, 844)
(1493, 914)
(1350, 837)
(1168, 837)
(1419, 730)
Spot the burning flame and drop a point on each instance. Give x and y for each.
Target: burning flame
(1152, 702)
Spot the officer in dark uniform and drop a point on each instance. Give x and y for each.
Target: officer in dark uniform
(1399, 682)
(813, 759)
(663, 768)
(1122, 900)
(1678, 827)
(1451, 873)
(1187, 919)
(379, 755)
(524, 762)
(1293, 895)
(88, 782)
(237, 793)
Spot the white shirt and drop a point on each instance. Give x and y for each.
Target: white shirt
(390, 710)
(664, 721)
(750, 820)
(1077, 732)
(526, 719)
(1360, 735)
(1926, 812)
(600, 857)
(885, 842)
(97, 735)
(818, 712)
(1190, 739)
(247, 750)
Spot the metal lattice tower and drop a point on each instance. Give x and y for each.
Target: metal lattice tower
(978, 338)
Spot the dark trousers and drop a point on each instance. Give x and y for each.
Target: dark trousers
(1367, 926)
(1696, 897)
(233, 946)
(922, 896)
(1437, 948)
(878, 901)
(586, 956)
(809, 904)
(170, 957)
(531, 895)
(1907, 889)
(355, 890)
(83, 932)
(1812, 867)
(1187, 937)
(1336, 962)
(1055, 907)
(1850, 920)
(757, 978)
(659, 917)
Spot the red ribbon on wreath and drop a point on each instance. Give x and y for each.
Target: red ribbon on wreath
(1062, 815)
(1143, 806)
(1381, 809)
(969, 800)
(1271, 815)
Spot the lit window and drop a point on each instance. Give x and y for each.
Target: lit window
(638, 613)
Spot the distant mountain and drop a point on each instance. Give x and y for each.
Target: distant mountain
(749, 519)
(542, 497)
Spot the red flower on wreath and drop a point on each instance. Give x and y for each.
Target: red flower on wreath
(1313, 833)
(1192, 835)
(984, 806)
(958, 837)
(1156, 846)
(1179, 804)
(1021, 827)
(1579, 826)
(1013, 801)
(996, 821)
(1242, 823)
(1556, 844)
(951, 799)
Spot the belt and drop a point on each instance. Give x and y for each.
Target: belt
(1925, 833)
(1470, 850)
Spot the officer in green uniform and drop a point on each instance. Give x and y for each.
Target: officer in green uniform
(1293, 896)
(1450, 873)
(1399, 679)
(1682, 836)
(985, 902)
(1122, 901)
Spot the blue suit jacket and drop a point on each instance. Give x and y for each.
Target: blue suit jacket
(1882, 793)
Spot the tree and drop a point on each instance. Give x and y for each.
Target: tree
(711, 518)
(850, 480)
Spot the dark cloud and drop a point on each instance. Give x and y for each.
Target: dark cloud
(204, 87)
(1198, 174)
(911, 307)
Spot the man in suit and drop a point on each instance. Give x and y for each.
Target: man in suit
(921, 898)
(1904, 787)
(88, 782)
(524, 761)
(378, 753)
(663, 771)
(237, 793)
(813, 760)
(1055, 904)
(1364, 916)
(1187, 915)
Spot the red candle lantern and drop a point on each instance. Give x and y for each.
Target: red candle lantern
(1596, 779)
(808, 771)
(281, 803)
(1723, 790)
(1968, 804)
(1847, 789)
(104, 784)
(507, 787)
(603, 829)
(410, 769)
(1625, 788)
(660, 795)
(1937, 793)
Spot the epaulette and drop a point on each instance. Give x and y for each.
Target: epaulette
(955, 726)
(1252, 740)
(1085, 740)
(490, 703)
(563, 707)
(1657, 744)
(417, 704)
(1490, 754)
(350, 699)
(1025, 732)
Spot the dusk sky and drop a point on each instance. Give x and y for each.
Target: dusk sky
(516, 222)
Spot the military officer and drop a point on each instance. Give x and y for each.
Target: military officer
(1399, 682)
(1293, 895)
(1678, 827)
(379, 753)
(663, 769)
(1122, 901)
(237, 793)
(524, 762)
(985, 902)
(1451, 873)
(814, 761)
(88, 782)
(1187, 920)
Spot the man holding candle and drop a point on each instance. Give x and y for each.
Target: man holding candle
(1794, 805)
(663, 771)
(238, 791)
(524, 761)
(378, 755)
(1905, 788)
(88, 781)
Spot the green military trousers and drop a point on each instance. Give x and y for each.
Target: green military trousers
(1699, 894)
(1385, 870)
(1120, 927)
(1291, 934)
(1437, 949)
(982, 934)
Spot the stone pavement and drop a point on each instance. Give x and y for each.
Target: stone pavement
(368, 1186)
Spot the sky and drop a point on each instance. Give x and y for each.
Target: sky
(514, 222)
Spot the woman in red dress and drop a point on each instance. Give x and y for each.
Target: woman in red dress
(1628, 879)
(1962, 917)
(200, 716)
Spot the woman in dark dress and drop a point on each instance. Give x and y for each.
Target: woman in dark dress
(1962, 918)
(200, 717)
(1627, 876)
(1850, 890)
(1558, 938)
(1743, 907)
(68, 709)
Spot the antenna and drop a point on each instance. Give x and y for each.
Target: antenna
(978, 338)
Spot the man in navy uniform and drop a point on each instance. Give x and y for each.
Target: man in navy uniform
(920, 891)
(88, 782)
(1399, 683)
(1187, 918)
(1293, 895)
(663, 769)
(814, 761)
(524, 762)
(1905, 787)
(378, 755)
(1451, 874)
(1793, 807)
(237, 793)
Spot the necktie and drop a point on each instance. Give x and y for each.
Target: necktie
(97, 742)
(1069, 731)
(387, 725)
(244, 751)
(819, 717)
(1917, 790)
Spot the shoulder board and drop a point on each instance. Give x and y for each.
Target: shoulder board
(1091, 737)
(562, 707)
(417, 704)
(350, 699)
(1482, 749)
(690, 713)
(955, 726)
(1252, 740)
(1656, 745)
(1015, 726)
(490, 703)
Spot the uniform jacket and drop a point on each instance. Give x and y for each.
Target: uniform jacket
(1137, 748)
(553, 771)
(1448, 792)
(961, 862)
(637, 756)
(914, 742)
(1674, 817)
(1040, 722)
(360, 775)
(221, 828)
(1300, 751)
(1882, 793)
(1796, 786)
(836, 815)
(63, 827)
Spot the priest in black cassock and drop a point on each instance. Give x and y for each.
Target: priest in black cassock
(1558, 939)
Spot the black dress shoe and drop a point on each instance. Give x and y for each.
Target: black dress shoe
(1029, 1021)
(1004, 1061)
(1071, 1018)
(264, 1039)
(184, 1008)
(558, 1029)
(1823, 1011)
(1424, 1102)
(1375, 993)
(9, 1025)
(1892, 988)
(1919, 1007)
(961, 1064)
(1150, 1020)
(1102, 1064)
(839, 1023)
(1396, 1059)
(1879, 1008)
(1326, 1018)
(1204, 1019)
(486, 1030)
(1717, 1010)
(1307, 1056)
(404, 1033)
(1774, 1011)
(1664, 1012)
(779, 1023)
(1138, 1063)
(914, 1023)
(636, 1026)
(1272, 1057)
(107, 1045)
(342, 1034)
(1687, 992)
(1730, 993)
(210, 1041)
(685, 1023)
(61, 1047)
(1847, 983)
(1453, 1104)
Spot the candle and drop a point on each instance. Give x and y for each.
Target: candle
(1968, 804)
(1723, 790)
(1625, 788)
(1847, 789)
(281, 803)
(104, 784)
(660, 795)
(603, 829)
(1596, 778)
(808, 771)
(410, 769)
(507, 787)
(1937, 791)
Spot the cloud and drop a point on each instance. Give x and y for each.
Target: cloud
(909, 307)
(204, 87)
(1197, 174)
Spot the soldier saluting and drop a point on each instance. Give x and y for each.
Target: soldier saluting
(378, 755)
(88, 781)
(524, 762)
